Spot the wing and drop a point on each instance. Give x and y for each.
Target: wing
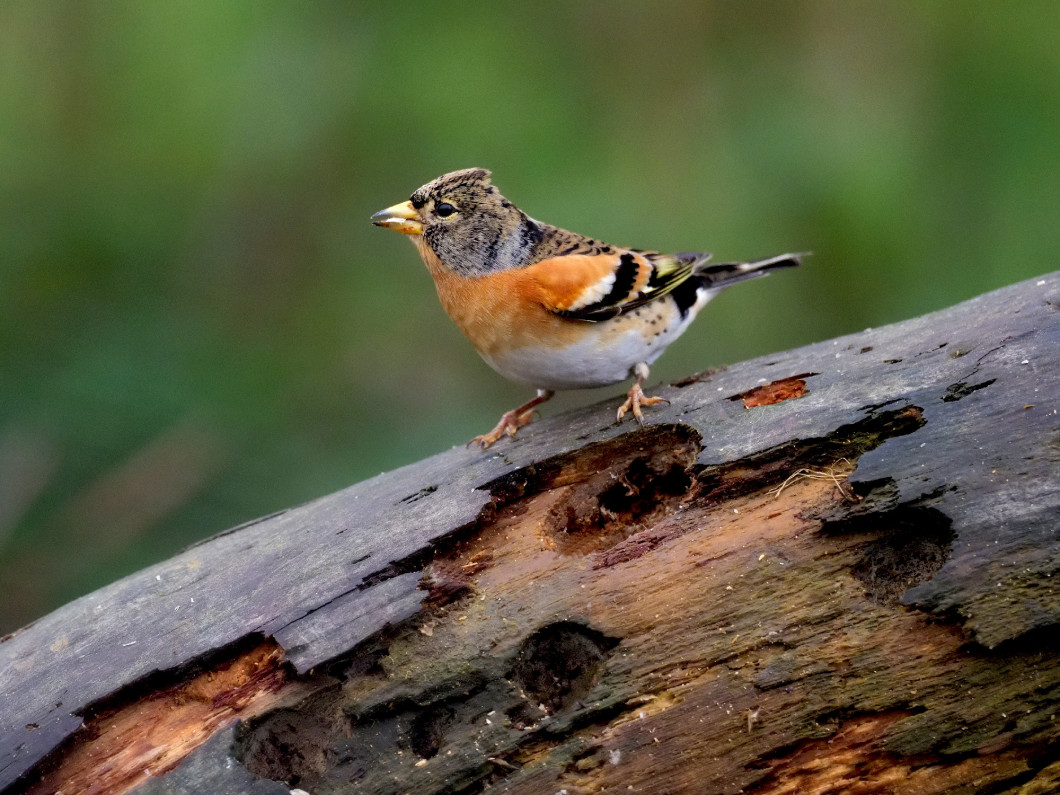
(597, 287)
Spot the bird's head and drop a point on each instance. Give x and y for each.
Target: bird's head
(465, 222)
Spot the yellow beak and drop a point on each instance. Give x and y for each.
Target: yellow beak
(401, 218)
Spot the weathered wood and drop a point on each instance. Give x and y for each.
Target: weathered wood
(848, 586)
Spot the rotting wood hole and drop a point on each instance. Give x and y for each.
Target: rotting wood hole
(428, 730)
(611, 505)
(908, 546)
(288, 745)
(558, 664)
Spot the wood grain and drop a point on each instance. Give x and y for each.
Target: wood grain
(847, 587)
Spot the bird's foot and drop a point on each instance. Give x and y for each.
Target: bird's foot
(513, 420)
(509, 423)
(636, 398)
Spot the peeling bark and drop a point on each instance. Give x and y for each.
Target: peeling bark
(841, 580)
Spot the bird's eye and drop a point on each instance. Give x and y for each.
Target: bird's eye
(444, 209)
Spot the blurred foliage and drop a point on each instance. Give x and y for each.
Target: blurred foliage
(198, 324)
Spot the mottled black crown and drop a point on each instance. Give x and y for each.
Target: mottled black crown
(469, 181)
(471, 227)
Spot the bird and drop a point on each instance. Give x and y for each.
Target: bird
(551, 308)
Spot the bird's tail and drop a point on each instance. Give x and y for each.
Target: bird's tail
(724, 274)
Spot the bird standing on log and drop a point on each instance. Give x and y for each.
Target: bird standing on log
(550, 308)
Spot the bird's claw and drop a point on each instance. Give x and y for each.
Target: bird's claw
(509, 423)
(634, 400)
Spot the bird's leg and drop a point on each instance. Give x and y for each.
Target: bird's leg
(636, 398)
(513, 420)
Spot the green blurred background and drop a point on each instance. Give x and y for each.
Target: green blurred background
(198, 324)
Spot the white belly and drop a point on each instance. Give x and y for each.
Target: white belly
(604, 356)
(579, 366)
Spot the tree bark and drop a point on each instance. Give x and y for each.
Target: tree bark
(833, 569)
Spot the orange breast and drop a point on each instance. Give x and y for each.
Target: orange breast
(500, 311)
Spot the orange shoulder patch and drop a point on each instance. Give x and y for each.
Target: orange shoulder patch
(575, 281)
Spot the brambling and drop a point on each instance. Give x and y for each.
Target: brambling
(551, 308)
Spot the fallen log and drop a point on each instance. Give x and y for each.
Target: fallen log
(832, 569)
